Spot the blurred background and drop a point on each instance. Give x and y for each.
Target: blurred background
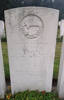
(7, 4)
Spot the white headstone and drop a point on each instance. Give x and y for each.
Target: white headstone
(2, 30)
(2, 77)
(31, 36)
(61, 24)
(60, 86)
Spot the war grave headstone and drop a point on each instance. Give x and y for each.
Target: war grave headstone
(2, 77)
(31, 38)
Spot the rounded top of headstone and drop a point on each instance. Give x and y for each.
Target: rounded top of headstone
(1, 28)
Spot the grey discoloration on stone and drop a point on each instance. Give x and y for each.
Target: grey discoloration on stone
(2, 77)
(31, 37)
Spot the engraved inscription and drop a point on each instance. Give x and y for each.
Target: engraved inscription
(32, 26)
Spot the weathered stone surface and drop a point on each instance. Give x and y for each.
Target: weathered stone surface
(31, 36)
(2, 77)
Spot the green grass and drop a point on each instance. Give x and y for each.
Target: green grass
(57, 60)
(56, 64)
(5, 59)
(33, 95)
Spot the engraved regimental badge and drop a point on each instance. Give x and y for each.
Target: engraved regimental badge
(32, 26)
